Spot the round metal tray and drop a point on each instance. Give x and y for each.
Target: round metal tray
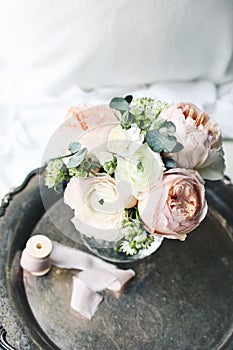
(181, 296)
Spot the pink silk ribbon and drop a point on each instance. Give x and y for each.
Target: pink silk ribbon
(95, 275)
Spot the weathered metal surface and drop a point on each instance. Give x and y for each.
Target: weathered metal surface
(181, 297)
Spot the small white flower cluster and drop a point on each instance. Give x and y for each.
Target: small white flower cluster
(134, 237)
(149, 107)
(54, 175)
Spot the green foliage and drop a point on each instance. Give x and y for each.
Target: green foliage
(169, 163)
(110, 166)
(85, 168)
(120, 103)
(77, 158)
(77, 166)
(127, 120)
(161, 138)
(74, 147)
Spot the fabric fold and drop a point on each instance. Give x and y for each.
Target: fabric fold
(84, 300)
(94, 276)
(70, 258)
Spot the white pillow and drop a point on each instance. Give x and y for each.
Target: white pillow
(48, 46)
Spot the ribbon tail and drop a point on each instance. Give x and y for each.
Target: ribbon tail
(84, 300)
(122, 277)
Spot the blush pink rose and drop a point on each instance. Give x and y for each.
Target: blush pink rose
(73, 116)
(90, 126)
(82, 123)
(201, 138)
(176, 205)
(85, 117)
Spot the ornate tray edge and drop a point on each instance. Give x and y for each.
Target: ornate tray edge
(3, 206)
(4, 344)
(5, 203)
(10, 195)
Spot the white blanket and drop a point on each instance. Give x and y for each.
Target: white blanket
(51, 52)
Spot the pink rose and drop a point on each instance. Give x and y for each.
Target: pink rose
(88, 125)
(74, 115)
(85, 117)
(82, 122)
(176, 205)
(96, 123)
(201, 138)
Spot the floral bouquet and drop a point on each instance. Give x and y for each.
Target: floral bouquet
(135, 174)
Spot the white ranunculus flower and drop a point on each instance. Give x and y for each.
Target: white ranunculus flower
(142, 170)
(104, 157)
(124, 142)
(98, 204)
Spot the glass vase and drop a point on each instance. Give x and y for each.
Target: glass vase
(110, 250)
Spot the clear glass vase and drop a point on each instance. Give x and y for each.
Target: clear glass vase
(109, 250)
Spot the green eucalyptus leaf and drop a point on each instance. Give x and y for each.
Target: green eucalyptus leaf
(77, 158)
(74, 147)
(170, 126)
(86, 164)
(145, 124)
(131, 117)
(152, 139)
(160, 142)
(159, 124)
(127, 119)
(178, 147)
(119, 103)
(169, 163)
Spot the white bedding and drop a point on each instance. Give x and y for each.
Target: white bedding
(51, 52)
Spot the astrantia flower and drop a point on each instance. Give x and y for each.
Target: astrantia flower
(135, 237)
(125, 247)
(131, 228)
(54, 174)
(146, 110)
